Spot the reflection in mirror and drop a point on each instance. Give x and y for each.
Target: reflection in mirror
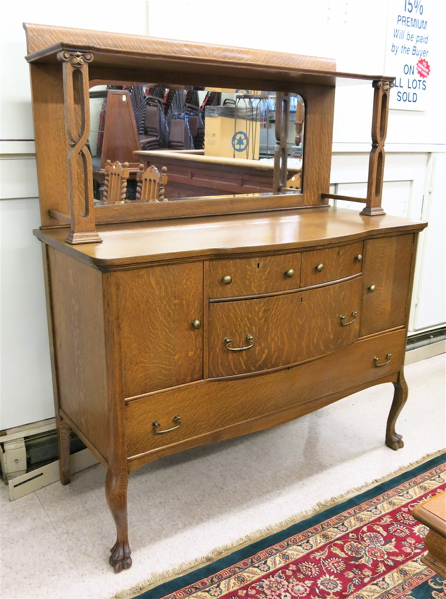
(212, 142)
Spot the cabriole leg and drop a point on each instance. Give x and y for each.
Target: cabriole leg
(393, 439)
(63, 442)
(116, 493)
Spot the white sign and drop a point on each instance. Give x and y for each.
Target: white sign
(408, 53)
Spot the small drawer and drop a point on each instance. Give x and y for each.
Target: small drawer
(322, 266)
(251, 276)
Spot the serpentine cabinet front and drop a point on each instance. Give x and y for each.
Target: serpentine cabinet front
(153, 355)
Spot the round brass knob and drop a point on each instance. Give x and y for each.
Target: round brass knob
(372, 288)
(359, 257)
(227, 279)
(196, 324)
(289, 273)
(320, 267)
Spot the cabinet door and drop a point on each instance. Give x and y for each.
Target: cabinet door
(387, 273)
(281, 330)
(159, 346)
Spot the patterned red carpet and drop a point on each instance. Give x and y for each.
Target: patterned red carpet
(368, 547)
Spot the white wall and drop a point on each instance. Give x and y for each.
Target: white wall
(353, 32)
(26, 387)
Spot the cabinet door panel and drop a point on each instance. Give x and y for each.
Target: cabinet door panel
(386, 272)
(284, 329)
(160, 348)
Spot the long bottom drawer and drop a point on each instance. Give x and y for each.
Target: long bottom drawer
(176, 415)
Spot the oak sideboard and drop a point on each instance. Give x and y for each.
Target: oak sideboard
(181, 322)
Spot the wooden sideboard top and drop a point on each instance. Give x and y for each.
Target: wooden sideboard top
(138, 53)
(211, 236)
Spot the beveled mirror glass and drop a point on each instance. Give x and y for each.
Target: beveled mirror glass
(213, 142)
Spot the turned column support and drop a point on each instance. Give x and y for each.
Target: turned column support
(377, 155)
(80, 170)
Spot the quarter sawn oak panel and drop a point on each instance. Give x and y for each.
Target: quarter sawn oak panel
(243, 400)
(159, 346)
(79, 344)
(285, 329)
(387, 267)
(334, 263)
(251, 276)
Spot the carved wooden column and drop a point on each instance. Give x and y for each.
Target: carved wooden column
(80, 171)
(377, 154)
(281, 150)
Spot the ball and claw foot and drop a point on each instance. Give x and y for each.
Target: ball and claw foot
(120, 557)
(395, 441)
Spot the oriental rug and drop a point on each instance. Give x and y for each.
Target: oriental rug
(368, 547)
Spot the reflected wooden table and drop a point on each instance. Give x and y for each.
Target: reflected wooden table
(432, 513)
(191, 174)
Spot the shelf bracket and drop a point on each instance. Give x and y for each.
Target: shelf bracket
(77, 118)
(377, 155)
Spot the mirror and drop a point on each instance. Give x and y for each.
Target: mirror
(213, 142)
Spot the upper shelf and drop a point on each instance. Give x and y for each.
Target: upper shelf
(181, 60)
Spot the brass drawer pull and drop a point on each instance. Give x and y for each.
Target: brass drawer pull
(371, 288)
(289, 273)
(345, 324)
(249, 339)
(358, 258)
(156, 425)
(319, 267)
(376, 360)
(227, 279)
(196, 324)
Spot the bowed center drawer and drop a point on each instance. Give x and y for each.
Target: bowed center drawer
(255, 334)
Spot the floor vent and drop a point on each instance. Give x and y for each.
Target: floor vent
(42, 448)
(427, 338)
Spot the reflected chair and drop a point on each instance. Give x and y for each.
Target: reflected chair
(150, 186)
(115, 182)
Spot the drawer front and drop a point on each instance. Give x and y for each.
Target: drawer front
(322, 266)
(386, 276)
(251, 276)
(210, 406)
(261, 333)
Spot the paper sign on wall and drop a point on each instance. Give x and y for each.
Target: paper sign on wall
(408, 53)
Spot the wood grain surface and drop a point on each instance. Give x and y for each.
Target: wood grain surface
(159, 346)
(387, 267)
(250, 276)
(335, 263)
(246, 399)
(432, 513)
(42, 39)
(286, 329)
(79, 340)
(208, 237)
